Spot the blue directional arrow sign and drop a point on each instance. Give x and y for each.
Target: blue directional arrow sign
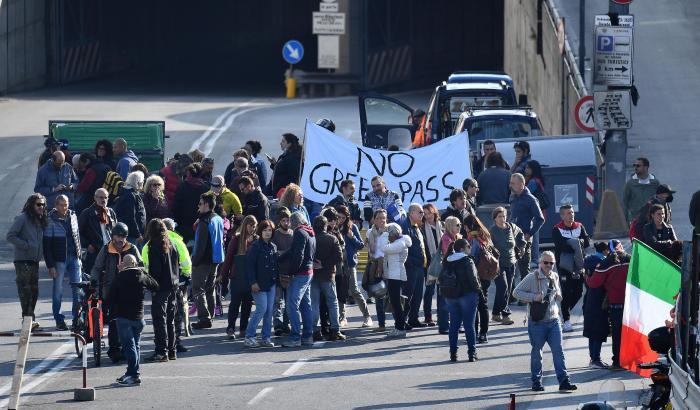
(292, 51)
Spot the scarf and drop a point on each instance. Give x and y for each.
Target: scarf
(102, 214)
(430, 238)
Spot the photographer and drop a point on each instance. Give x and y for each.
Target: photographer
(542, 292)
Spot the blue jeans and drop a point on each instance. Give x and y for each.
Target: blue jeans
(463, 313)
(413, 289)
(535, 255)
(546, 331)
(264, 304)
(428, 301)
(503, 281)
(381, 315)
(279, 316)
(71, 269)
(327, 287)
(130, 336)
(299, 307)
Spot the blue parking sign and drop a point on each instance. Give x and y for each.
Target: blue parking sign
(606, 43)
(292, 51)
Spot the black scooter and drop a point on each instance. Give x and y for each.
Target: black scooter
(661, 340)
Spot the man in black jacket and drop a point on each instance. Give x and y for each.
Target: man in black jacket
(458, 208)
(328, 255)
(347, 198)
(95, 224)
(416, 264)
(254, 201)
(570, 241)
(127, 294)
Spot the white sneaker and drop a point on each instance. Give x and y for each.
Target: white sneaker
(251, 342)
(568, 327)
(368, 322)
(344, 323)
(396, 333)
(266, 343)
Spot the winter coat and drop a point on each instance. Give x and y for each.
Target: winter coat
(561, 234)
(457, 213)
(172, 181)
(262, 267)
(130, 210)
(27, 236)
(127, 293)
(329, 253)
(286, 170)
(283, 241)
(184, 261)
(56, 238)
(90, 229)
(395, 256)
(525, 212)
(302, 253)
(208, 240)
(185, 205)
(351, 204)
(493, 186)
(260, 168)
(255, 203)
(635, 195)
(48, 177)
(353, 245)
(105, 268)
(506, 240)
(155, 207)
(93, 179)
(611, 274)
(445, 242)
(643, 213)
(389, 201)
(416, 253)
(465, 270)
(231, 203)
(659, 239)
(528, 288)
(596, 323)
(125, 162)
(163, 267)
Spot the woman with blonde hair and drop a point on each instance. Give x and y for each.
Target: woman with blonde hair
(432, 229)
(154, 198)
(480, 240)
(130, 210)
(234, 267)
(293, 199)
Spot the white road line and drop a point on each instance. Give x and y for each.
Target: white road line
(294, 368)
(212, 128)
(229, 122)
(2, 176)
(262, 393)
(15, 166)
(56, 354)
(41, 379)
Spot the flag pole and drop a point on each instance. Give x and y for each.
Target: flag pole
(303, 149)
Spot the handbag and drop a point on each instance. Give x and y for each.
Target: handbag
(538, 310)
(487, 266)
(435, 266)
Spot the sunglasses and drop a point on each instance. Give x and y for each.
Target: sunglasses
(638, 165)
(40, 204)
(548, 263)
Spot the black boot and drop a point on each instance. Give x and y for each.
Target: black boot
(472, 357)
(453, 355)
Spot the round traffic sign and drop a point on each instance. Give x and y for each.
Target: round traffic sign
(622, 1)
(584, 112)
(292, 51)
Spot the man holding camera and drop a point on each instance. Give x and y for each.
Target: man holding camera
(542, 292)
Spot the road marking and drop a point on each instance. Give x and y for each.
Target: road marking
(41, 379)
(17, 165)
(56, 354)
(262, 393)
(212, 128)
(229, 122)
(2, 176)
(294, 368)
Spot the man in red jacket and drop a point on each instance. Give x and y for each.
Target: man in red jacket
(611, 274)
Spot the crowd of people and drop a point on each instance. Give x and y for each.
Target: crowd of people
(186, 234)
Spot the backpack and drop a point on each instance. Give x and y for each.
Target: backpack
(448, 282)
(113, 182)
(487, 265)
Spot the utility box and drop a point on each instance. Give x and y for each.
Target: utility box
(570, 165)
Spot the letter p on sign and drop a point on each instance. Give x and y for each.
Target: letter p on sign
(606, 43)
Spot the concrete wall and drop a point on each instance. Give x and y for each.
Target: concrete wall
(549, 78)
(22, 45)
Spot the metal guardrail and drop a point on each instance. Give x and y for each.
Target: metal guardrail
(685, 395)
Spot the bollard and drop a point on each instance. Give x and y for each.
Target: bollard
(291, 84)
(84, 393)
(511, 406)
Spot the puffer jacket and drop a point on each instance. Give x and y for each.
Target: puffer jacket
(27, 237)
(48, 177)
(130, 210)
(463, 266)
(395, 256)
(56, 238)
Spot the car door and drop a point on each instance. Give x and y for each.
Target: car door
(385, 121)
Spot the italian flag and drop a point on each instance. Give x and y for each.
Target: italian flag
(652, 284)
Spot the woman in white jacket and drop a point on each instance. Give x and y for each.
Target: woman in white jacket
(395, 255)
(376, 240)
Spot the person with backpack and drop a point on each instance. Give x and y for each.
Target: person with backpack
(130, 209)
(453, 228)
(509, 240)
(395, 256)
(486, 260)
(541, 291)
(459, 285)
(596, 323)
(124, 157)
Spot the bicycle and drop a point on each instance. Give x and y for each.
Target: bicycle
(89, 321)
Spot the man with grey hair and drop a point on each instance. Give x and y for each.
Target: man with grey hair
(62, 255)
(542, 292)
(130, 209)
(301, 263)
(124, 156)
(240, 170)
(524, 212)
(416, 264)
(56, 177)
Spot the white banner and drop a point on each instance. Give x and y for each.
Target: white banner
(423, 175)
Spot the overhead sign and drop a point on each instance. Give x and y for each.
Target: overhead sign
(626, 20)
(585, 113)
(292, 51)
(613, 110)
(613, 55)
(328, 23)
(414, 175)
(328, 51)
(329, 7)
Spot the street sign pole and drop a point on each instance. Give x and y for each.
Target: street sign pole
(616, 141)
